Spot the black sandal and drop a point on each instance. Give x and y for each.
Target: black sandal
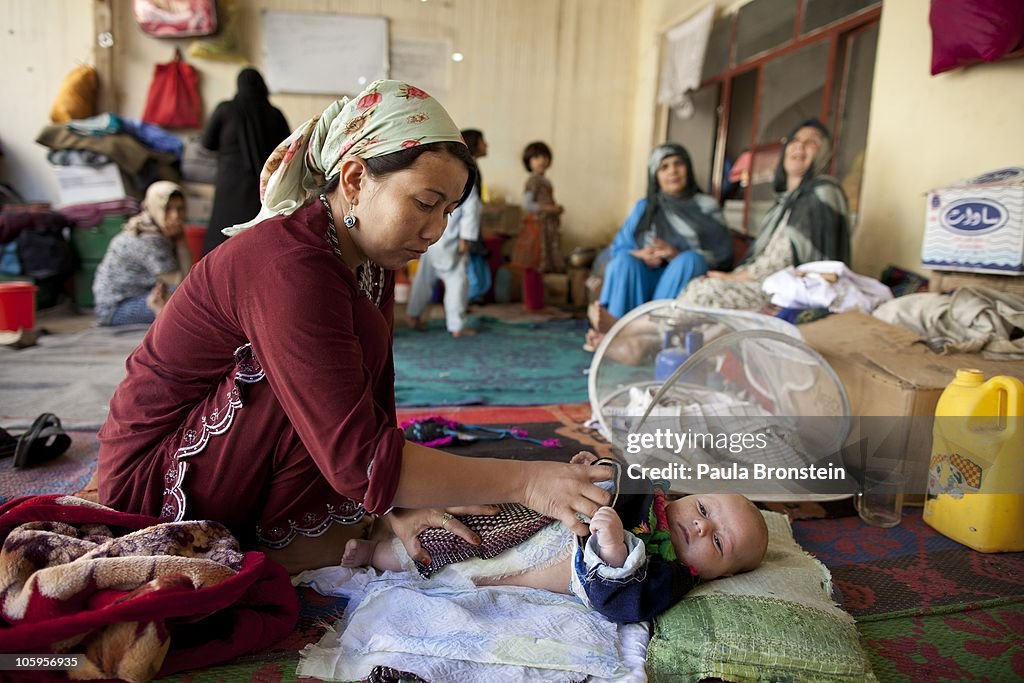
(42, 442)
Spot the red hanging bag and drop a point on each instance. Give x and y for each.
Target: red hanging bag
(173, 99)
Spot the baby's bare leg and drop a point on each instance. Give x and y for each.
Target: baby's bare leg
(375, 552)
(314, 552)
(554, 578)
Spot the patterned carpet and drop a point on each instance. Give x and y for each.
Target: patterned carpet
(927, 607)
(67, 474)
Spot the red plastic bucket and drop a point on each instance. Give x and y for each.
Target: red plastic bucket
(17, 306)
(194, 236)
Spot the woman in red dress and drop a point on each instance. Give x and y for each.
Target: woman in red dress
(263, 396)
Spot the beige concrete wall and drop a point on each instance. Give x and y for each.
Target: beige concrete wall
(649, 123)
(926, 132)
(40, 42)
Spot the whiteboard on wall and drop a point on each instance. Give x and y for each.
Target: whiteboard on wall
(320, 53)
(423, 63)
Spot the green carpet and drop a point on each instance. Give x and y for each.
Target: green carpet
(504, 364)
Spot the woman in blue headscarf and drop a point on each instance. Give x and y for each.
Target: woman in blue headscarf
(674, 234)
(808, 222)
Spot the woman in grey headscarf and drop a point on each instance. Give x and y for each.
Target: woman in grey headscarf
(674, 234)
(809, 222)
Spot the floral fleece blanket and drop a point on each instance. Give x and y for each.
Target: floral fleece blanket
(137, 597)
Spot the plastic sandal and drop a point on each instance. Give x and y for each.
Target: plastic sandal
(8, 444)
(44, 441)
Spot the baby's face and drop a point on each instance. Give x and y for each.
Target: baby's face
(717, 534)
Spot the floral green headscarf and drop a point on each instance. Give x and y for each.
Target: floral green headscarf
(386, 117)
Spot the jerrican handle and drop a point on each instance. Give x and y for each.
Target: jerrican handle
(1013, 389)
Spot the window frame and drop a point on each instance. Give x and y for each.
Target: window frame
(839, 30)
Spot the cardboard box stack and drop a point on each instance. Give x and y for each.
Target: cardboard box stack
(87, 184)
(501, 219)
(198, 202)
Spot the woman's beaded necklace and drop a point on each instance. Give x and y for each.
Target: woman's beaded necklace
(369, 274)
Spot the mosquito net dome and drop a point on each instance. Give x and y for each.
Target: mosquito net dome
(714, 400)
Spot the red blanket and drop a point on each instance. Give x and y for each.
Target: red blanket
(137, 597)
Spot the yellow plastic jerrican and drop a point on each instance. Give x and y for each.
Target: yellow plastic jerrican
(976, 477)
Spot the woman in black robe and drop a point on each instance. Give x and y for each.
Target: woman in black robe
(243, 131)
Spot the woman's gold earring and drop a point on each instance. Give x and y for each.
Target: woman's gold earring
(350, 219)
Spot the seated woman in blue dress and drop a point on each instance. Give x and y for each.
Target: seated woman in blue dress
(674, 234)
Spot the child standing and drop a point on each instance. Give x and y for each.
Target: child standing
(542, 224)
(448, 258)
(642, 556)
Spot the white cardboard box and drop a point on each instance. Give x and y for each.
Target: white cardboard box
(87, 184)
(977, 225)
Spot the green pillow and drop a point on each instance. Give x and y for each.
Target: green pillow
(776, 623)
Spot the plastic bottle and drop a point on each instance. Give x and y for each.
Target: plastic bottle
(976, 474)
(671, 357)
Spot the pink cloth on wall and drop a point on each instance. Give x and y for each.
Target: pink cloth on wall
(970, 31)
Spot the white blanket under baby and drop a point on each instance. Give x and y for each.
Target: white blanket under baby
(447, 629)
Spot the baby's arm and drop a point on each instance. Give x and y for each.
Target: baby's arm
(611, 538)
(606, 525)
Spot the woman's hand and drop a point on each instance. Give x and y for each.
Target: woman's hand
(649, 256)
(409, 524)
(583, 458)
(663, 250)
(735, 276)
(563, 491)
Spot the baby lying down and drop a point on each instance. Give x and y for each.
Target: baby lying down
(642, 556)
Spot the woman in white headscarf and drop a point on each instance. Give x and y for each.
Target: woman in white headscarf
(263, 397)
(150, 254)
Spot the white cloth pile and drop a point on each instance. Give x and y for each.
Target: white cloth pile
(825, 284)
